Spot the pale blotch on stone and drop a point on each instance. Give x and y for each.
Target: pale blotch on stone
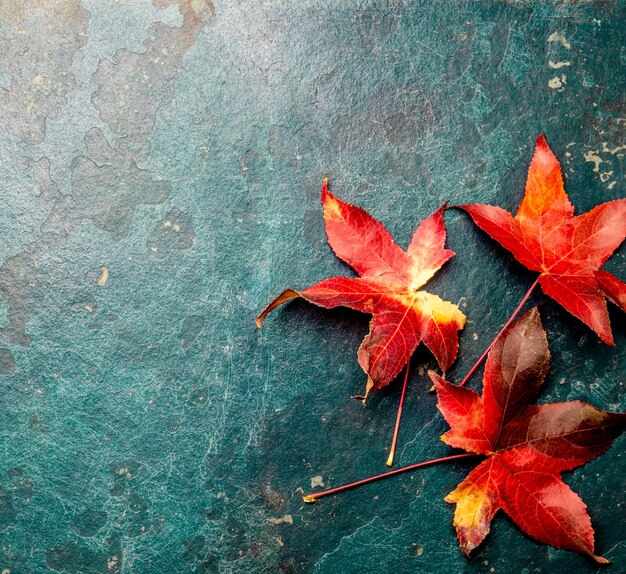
(593, 157)
(557, 37)
(317, 481)
(558, 82)
(287, 519)
(104, 276)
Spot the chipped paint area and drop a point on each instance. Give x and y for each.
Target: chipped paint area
(558, 83)
(593, 157)
(560, 39)
(104, 276)
(606, 154)
(287, 519)
(558, 65)
(317, 481)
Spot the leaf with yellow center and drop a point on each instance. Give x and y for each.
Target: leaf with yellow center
(387, 288)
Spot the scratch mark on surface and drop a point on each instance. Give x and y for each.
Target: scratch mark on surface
(348, 537)
(428, 48)
(418, 435)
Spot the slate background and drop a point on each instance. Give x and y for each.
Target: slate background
(147, 426)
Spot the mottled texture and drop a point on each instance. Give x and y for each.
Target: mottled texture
(37, 42)
(147, 426)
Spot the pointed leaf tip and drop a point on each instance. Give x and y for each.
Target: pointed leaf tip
(324, 187)
(285, 296)
(436, 378)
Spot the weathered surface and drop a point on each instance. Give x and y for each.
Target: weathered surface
(161, 167)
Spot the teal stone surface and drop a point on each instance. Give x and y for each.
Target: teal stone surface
(160, 168)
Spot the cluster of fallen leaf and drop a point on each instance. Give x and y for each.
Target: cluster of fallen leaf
(526, 446)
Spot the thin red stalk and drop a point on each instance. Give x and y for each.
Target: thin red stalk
(315, 495)
(396, 430)
(506, 325)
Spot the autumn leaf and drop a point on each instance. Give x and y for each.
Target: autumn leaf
(388, 288)
(566, 250)
(527, 447)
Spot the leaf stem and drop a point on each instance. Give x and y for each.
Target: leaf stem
(396, 430)
(316, 495)
(506, 325)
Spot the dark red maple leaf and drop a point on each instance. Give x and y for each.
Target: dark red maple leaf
(566, 250)
(527, 447)
(388, 288)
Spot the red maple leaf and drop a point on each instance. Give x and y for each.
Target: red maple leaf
(566, 250)
(388, 288)
(527, 447)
